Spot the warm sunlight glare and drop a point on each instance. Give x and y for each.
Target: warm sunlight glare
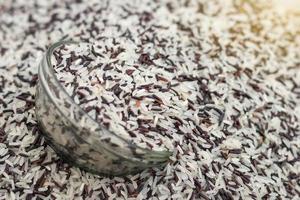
(288, 5)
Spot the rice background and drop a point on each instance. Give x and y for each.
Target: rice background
(264, 42)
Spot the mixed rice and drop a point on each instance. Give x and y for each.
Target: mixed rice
(215, 82)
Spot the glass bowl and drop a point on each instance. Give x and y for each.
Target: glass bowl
(78, 138)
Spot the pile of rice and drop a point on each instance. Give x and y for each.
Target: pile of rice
(216, 82)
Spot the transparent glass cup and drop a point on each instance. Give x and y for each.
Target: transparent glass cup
(78, 138)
